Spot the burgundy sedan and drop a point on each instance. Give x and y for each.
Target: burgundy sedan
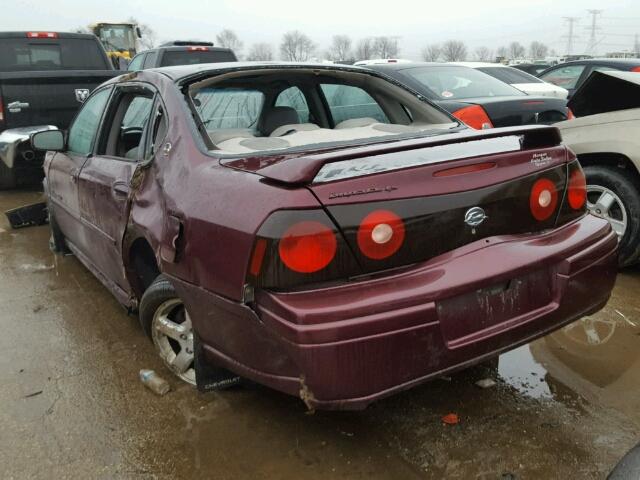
(322, 230)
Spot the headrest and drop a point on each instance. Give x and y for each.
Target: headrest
(278, 116)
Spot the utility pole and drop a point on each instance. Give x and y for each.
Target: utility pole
(593, 41)
(571, 21)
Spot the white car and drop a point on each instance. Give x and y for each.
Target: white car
(519, 79)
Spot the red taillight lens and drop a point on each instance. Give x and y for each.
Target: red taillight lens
(577, 194)
(42, 35)
(1, 110)
(307, 247)
(635, 69)
(570, 115)
(543, 199)
(474, 116)
(381, 234)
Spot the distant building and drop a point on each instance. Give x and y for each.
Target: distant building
(622, 55)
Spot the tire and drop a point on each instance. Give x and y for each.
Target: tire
(627, 191)
(165, 321)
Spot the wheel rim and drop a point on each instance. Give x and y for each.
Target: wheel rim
(172, 335)
(604, 203)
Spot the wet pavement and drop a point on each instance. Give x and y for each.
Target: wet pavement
(565, 406)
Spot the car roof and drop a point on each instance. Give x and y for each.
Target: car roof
(180, 72)
(406, 66)
(23, 34)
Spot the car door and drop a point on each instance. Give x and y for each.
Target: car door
(566, 76)
(104, 184)
(64, 167)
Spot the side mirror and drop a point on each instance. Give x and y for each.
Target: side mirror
(138, 32)
(50, 140)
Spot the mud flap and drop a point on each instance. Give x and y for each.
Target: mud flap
(28, 215)
(210, 377)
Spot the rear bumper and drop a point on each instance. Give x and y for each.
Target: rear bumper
(349, 345)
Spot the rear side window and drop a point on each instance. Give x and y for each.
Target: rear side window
(136, 63)
(566, 76)
(193, 57)
(229, 107)
(510, 75)
(293, 97)
(347, 102)
(83, 131)
(17, 54)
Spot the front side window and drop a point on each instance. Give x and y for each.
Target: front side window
(451, 83)
(566, 76)
(229, 107)
(83, 131)
(347, 102)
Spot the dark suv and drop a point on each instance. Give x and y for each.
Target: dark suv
(181, 53)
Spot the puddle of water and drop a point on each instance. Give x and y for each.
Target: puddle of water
(519, 369)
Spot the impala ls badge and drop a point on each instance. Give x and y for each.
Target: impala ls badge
(474, 217)
(82, 94)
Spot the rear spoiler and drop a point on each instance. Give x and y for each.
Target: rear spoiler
(303, 169)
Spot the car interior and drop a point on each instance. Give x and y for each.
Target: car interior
(246, 112)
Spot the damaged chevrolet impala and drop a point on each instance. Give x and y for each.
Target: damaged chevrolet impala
(319, 229)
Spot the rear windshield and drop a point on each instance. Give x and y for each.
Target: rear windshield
(510, 75)
(451, 83)
(185, 57)
(17, 54)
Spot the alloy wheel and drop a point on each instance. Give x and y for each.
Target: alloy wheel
(172, 335)
(604, 203)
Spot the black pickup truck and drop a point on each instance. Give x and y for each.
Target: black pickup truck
(44, 78)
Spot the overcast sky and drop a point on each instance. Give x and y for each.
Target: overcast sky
(490, 23)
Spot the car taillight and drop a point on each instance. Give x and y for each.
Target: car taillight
(380, 235)
(298, 247)
(42, 35)
(577, 189)
(543, 199)
(307, 247)
(570, 115)
(1, 110)
(635, 69)
(198, 49)
(474, 116)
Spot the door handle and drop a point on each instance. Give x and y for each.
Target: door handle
(120, 189)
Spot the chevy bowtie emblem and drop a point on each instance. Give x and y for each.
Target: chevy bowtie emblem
(474, 216)
(82, 94)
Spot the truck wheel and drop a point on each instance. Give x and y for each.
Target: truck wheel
(7, 177)
(165, 320)
(614, 196)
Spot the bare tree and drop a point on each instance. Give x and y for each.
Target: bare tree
(386, 47)
(340, 49)
(228, 39)
(431, 53)
(147, 34)
(260, 52)
(483, 54)
(516, 50)
(538, 50)
(296, 46)
(364, 49)
(454, 51)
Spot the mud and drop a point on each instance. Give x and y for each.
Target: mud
(566, 406)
